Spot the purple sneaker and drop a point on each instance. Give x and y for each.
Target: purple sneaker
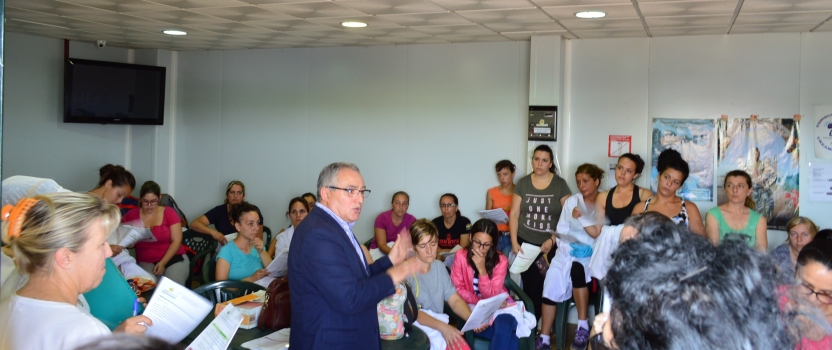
(581, 339)
(540, 345)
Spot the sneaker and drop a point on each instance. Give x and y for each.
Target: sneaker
(540, 345)
(581, 339)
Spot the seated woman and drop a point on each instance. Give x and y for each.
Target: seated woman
(114, 183)
(500, 197)
(60, 241)
(432, 288)
(245, 258)
(220, 216)
(165, 257)
(618, 202)
(568, 275)
(814, 281)
(452, 227)
(390, 224)
(479, 272)
(679, 291)
(801, 231)
(737, 215)
(310, 199)
(298, 209)
(673, 171)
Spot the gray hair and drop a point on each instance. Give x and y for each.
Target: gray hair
(329, 172)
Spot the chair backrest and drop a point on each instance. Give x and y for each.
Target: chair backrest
(168, 201)
(221, 291)
(199, 247)
(267, 236)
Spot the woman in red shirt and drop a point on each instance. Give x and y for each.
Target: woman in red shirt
(166, 256)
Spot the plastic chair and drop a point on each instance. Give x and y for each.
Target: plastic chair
(267, 234)
(200, 247)
(480, 343)
(562, 314)
(209, 271)
(221, 291)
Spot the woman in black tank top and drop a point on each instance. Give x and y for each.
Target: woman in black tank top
(628, 169)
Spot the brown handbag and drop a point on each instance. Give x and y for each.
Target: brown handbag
(277, 310)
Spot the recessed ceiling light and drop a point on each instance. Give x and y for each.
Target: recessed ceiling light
(590, 14)
(354, 24)
(174, 32)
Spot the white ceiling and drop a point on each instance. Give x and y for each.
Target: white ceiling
(240, 24)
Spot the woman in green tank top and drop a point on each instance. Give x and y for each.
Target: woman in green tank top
(737, 215)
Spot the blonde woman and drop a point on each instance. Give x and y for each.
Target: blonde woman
(220, 216)
(801, 231)
(60, 241)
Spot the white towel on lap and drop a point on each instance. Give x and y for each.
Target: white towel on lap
(605, 245)
(437, 341)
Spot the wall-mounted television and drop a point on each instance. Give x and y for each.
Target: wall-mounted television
(113, 93)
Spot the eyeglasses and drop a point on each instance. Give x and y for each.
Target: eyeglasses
(480, 245)
(824, 298)
(447, 205)
(352, 192)
(150, 202)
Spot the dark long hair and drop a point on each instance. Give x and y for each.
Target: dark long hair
(456, 201)
(547, 149)
(493, 256)
(117, 174)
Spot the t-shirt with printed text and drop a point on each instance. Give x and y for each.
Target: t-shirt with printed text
(539, 209)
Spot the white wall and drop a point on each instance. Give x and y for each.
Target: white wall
(36, 141)
(426, 119)
(619, 85)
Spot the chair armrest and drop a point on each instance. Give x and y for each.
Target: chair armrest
(514, 288)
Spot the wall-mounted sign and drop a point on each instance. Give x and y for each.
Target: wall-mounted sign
(543, 121)
(618, 145)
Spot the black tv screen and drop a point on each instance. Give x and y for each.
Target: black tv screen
(113, 93)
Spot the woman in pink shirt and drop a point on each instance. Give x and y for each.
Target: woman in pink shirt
(165, 257)
(391, 223)
(479, 272)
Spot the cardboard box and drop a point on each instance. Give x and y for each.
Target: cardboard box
(251, 314)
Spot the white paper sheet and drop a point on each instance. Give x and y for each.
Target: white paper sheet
(497, 215)
(524, 259)
(276, 341)
(127, 235)
(175, 311)
(218, 334)
(483, 311)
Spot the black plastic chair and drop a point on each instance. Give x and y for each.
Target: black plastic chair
(268, 233)
(221, 291)
(209, 271)
(200, 248)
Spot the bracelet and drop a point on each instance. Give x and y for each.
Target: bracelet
(553, 240)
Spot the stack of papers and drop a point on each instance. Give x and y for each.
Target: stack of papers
(525, 258)
(276, 341)
(175, 311)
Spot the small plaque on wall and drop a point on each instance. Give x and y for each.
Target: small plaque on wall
(543, 121)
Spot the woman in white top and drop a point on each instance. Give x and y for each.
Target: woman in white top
(298, 209)
(60, 241)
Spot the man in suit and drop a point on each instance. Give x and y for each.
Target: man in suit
(334, 291)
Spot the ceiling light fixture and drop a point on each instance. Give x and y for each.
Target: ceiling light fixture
(354, 24)
(590, 14)
(174, 32)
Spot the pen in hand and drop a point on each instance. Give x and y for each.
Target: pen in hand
(136, 307)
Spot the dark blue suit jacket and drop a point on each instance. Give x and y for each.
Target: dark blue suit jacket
(333, 296)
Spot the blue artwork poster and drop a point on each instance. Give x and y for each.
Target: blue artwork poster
(768, 150)
(695, 140)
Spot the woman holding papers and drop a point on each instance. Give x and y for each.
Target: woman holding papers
(568, 273)
(245, 257)
(480, 273)
(500, 197)
(390, 224)
(166, 256)
(673, 171)
(298, 209)
(114, 183)
(60, 241)
(535, 208)
(432, 288)
(618, 202)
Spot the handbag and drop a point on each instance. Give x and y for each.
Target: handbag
(397, 313)
(277, 310)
